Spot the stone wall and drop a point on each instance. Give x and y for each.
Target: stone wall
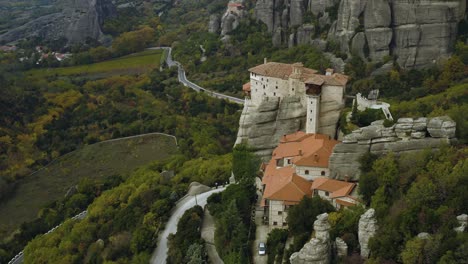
(406, 136)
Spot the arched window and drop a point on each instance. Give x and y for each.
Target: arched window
(306, 172)
(323, 173)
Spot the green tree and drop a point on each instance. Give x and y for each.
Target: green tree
(301, 217)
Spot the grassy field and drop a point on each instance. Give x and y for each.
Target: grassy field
(131, 64)
(98, 160)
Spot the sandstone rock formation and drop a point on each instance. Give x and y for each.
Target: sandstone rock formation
(317, 250)
(262, 127)
(341, 247)
(231, 18)
(214, 24)
(78, 21)
(367, 229)
(417, 32)
(407, 135)
(463, 221)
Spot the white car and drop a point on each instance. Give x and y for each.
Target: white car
(261, 249)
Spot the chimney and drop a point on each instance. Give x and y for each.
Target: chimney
(297, 68)
(329, 72)
(316, 157)
(265, 60)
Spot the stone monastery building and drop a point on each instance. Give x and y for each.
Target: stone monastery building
(322, 94)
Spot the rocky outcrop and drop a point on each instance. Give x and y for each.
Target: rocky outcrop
(78, 21)
(463, 221)
(214, 24)
(262, 126)
(416, 32)
(406, 136)
(317, 250)
(341, 247)
(232, 17)
(367, 229)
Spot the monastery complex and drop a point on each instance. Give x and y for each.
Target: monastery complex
(299, 165)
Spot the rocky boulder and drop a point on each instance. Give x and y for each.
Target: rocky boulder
(463, 221)
(214, 24)
(367, 229)
(341, 247)
(405, 136)
(317, 250)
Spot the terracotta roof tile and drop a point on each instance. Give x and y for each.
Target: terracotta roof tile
(246, 87)
(334, 187)
(345, 203)
(313, 150)
(284, 71)
(280, 70)
(283, 184)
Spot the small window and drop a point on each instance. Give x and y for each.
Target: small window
(285, 223)
(323, 173)
(280, 213)
(327, 193)
(275, 223)
(276, 86)
(293, 89)
(263, 86)
(310, 120)
(306, 172)
(289, 161)
(274, 94)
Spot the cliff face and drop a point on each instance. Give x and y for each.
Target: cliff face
(78, 20)
(262, 126)
(406, 136)
(417, 32)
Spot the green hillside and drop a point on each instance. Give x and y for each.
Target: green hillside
(136, 63)
(96, 161)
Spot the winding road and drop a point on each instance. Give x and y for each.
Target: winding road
(160, 254)
(183, 79)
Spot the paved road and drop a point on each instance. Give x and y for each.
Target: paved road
(207, 233)
(183, 79)
(160, 254)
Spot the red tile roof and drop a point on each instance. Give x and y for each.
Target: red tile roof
(334, 187)
(284, 185)
(246, 87)
(284, 71)
(311, 150)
